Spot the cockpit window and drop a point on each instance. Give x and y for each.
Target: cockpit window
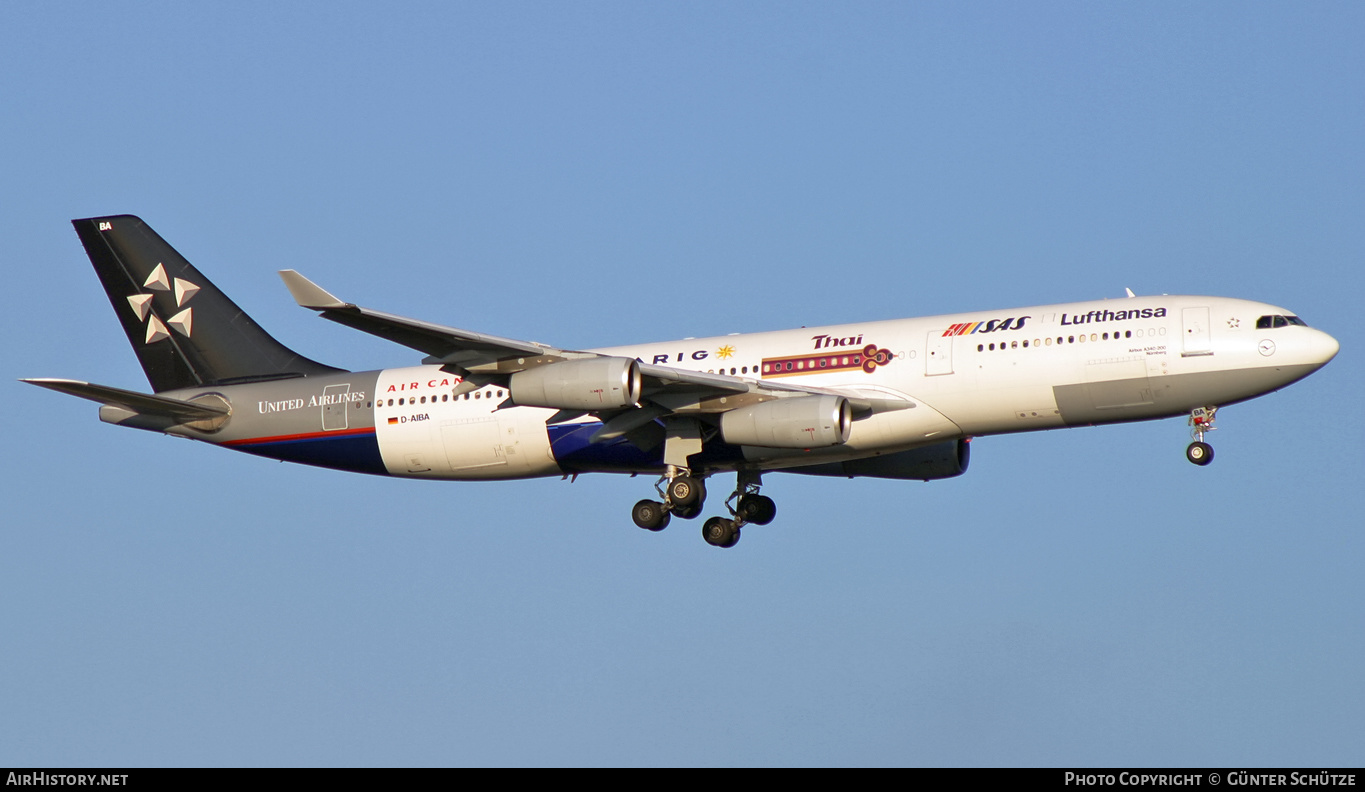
(1266, 322)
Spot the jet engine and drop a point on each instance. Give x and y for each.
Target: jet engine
(938, 461)
(796, 422)
(590, 384)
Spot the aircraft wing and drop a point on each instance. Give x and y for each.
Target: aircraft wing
(484, 359)
(463, 348)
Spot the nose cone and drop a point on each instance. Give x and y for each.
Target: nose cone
(1322, 348)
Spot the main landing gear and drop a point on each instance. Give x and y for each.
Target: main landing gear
(1201, 421)
(685, 495)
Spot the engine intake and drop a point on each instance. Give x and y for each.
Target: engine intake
(797, 422)
(590, 384)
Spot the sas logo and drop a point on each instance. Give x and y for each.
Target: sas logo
(989, 326)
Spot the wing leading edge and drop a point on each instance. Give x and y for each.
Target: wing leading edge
(485, 359)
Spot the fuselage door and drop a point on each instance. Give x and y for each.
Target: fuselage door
(473, 443)
(938, 354)
(334, 403)
(1196, 332)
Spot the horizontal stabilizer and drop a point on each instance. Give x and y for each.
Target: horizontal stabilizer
(141, 403)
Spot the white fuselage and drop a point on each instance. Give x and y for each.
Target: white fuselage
(973, 374)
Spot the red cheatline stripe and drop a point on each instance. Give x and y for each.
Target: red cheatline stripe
(305, 436)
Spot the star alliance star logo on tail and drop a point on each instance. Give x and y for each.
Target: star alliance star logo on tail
(182, 322)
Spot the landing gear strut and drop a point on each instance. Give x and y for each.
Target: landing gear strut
(1201, 421)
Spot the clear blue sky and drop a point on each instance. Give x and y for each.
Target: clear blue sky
(590, 174)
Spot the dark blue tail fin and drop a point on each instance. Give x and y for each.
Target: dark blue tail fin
(185, 331)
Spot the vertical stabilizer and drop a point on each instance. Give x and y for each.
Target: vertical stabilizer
(185, 331)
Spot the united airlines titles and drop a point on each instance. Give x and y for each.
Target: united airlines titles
(316, 400)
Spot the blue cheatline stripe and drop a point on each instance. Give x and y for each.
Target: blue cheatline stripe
(569, 444)
(571, 449)
(354, 449)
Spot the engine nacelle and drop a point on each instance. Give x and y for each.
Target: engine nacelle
(797, 422)
(938, 461)
(601, 383)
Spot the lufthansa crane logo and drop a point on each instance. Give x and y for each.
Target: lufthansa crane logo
(182, 322)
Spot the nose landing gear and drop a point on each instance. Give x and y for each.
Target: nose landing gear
(1201, 421)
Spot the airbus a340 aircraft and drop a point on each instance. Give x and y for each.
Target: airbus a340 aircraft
(888, 399)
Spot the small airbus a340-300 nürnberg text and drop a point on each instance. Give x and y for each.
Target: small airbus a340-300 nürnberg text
(889, 399)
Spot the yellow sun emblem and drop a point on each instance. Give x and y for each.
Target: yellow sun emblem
(725, 352)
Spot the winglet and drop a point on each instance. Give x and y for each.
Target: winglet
(310, 295)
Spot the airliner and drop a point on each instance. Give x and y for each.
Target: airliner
(897, 399)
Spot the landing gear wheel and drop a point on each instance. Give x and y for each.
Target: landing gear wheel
(688, 512)
(1199, 453)
(650, 515)
(720, 532)
(1201, 422)
(685, 491)
(756, 509)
